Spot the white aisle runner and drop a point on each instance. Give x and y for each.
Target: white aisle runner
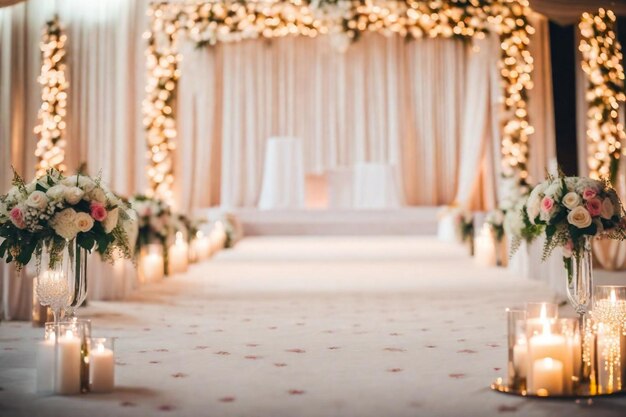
(304, 327)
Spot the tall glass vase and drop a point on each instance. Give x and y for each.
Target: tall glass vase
(580, 281)
(62, 278)
(78, 278)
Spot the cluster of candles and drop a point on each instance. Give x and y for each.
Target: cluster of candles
(552, 356)
(181, 253)
(70, 361)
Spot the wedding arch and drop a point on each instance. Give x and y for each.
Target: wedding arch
(209, 22)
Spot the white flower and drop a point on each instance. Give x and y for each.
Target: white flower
(83, 222)
(111, 219)
(572, 200)
(30, 187)
(37, 199)
(554, 190)
(607, 210)
(56, 192)
(570, 183)
(63, 223)
(97, 194)
(82, 181)
(73, 195)
(579, 217)
(112, 199)
(584, 183)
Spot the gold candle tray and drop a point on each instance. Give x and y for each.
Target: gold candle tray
(500, 386)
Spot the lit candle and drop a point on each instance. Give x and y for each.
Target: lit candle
(68, 364)
(101, 369)
(203, 246)
(45, 365)
(545, 345)
(152, 266)
(548, 377)
(485, 250)
(178, 255)
(609, 359)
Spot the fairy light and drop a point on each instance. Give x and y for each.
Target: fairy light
(208, 23)
(601, 62)
(50, 129)
(510, 20)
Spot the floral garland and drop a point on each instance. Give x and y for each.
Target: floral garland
(51, 124)
(601, 62)
(155, 221)
(207, 23)
(54, 211)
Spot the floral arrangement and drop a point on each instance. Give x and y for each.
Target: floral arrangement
(465, 221)
(54, 211)
(155, 220)
(495, 220)
(570, 209)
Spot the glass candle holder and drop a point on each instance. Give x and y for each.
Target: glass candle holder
(46, 359)
(68, 357)
(609, 314)
(609, 304)
(102, 364)
(547, 357)
(84, 327)
(151, 263)
(572, 363)
(518, 348)
(541, 310)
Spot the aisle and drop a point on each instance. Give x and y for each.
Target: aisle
(303, 327)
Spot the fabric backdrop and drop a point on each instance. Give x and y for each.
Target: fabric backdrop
(421, 105)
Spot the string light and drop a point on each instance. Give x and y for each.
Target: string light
(601, 62)
(510, 20)
(208, 23)
(51, 125)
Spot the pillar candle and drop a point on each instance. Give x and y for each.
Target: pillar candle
(545, 345)
(152, 267)
(485, 251)
(101, 369)
(68, 364)
(548, 376)
(178, 255)
(45, 365)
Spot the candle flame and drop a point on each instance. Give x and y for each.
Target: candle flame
(179, 237)
(546, 328)
(549, 363)
(100, 347)
(613, 296)
(543, 313)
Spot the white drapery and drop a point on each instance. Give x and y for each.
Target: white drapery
(384, 100)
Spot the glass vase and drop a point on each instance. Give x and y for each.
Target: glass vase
(62, 278)
(580, 278)
(78, 278)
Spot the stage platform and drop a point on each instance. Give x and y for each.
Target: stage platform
(327, 222)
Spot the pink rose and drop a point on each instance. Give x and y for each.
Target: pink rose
(594, 206)
(17, 217)
(589, 193)
(547, 204)
(98, 212)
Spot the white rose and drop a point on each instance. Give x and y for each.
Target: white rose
(570, 183)
(56, 192)
(97, 194)
(607, 210)
(83, 222)
(83, 182)
(37, 199)
(113, 199)
(532, 209)
(571, 200)
(63, 223)
(579, 217)
(73, 195)
(31, 187)
(111, 219)
(554, 190)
